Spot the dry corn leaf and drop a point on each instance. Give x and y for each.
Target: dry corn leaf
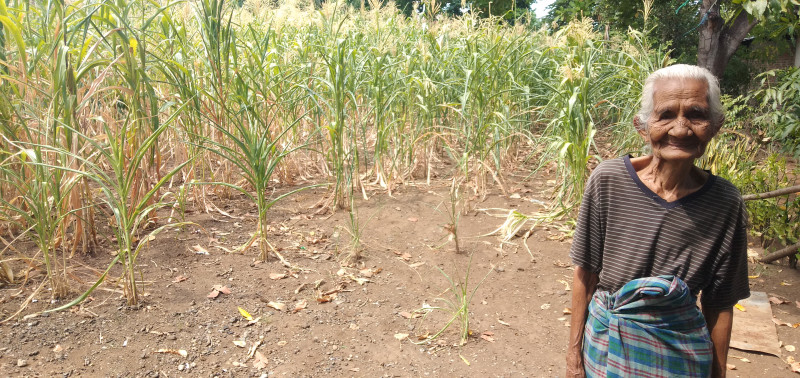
(503, 323)
(413, 219)
(406, 256)
(240, 343)
(405, 314)
(277, 305)
(179, 352)
(740, 308)
(401, 336)
(277, 276)
(180, 279)
(7, 271)
(417, 265)
(245, 314)
(488, 336)
(566, 285)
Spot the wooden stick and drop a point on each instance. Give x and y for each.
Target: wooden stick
(774, 193)
(788, 251)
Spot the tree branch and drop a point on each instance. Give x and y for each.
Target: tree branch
(788, 251)
(774, 193)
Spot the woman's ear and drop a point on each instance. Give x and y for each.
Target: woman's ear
(640, 128)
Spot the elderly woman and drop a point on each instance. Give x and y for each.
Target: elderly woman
(653, 232)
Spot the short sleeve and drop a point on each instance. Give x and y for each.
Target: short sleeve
(730, 282)
(587, 243)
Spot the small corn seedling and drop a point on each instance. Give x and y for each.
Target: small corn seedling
(457, 305)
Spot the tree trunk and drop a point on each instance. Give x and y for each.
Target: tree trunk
(797, 51)
(718, 40)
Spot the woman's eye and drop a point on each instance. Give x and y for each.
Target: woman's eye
(666, 115)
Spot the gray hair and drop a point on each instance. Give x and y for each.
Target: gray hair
(681, 71)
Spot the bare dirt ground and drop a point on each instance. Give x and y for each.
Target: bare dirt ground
(338, 322)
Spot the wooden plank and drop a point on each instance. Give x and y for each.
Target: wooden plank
(753, 329)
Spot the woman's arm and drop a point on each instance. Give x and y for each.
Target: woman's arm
(720, 322)
(584, 284)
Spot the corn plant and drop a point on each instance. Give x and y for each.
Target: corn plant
(41, 206)
(457, 305)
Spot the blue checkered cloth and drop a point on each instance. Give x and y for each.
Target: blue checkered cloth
(651, 327)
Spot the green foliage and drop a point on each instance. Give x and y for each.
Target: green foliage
(779, 104)
(774, 218)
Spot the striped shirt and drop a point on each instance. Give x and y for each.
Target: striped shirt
(625, 231)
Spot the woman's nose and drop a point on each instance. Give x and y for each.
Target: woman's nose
(681, 128)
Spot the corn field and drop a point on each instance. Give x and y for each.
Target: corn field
(113, 110)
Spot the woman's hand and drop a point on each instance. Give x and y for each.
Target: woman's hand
(584, 284)
(575, 363)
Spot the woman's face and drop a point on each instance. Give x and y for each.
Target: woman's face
(680, 126)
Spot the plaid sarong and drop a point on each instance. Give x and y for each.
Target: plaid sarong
(651, 327)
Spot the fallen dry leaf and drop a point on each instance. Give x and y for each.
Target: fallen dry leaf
(789, 348)
(413, 219)
(566, 284)
(777, 301)
(217, 290)
(503, 323)
(366, 272)
(566, 311)
(488, 336)
(405, 314)
(739, 358)
(401, 336)
(222, 289)
(245, 314)
(784, 283)
(300, 305)
(793, 364)
(277, 305)
(406, 256)
(780, 323)
(277, 276)
(180, 279)
(179, 352)
(260, 362)
(198, 249)
(417, 265)
(240, 343)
